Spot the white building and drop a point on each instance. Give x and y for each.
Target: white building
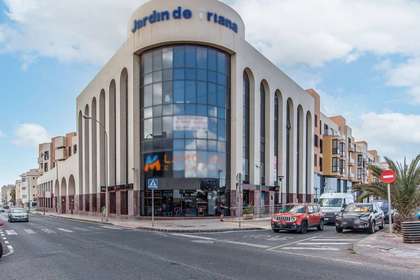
(188, 101)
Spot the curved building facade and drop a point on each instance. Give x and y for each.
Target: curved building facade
(189, 103)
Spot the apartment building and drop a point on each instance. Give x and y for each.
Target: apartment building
(26, 190)
(58, 166)
(339, 161)
(60, 148)
(7, 196)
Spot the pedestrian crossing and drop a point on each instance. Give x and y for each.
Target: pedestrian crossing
(320, 244)
(40, 229)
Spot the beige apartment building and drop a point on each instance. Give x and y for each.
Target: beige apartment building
(59, 149)
(26, 188)
(7, 199)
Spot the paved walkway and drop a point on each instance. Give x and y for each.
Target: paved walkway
(390, 249)
(184, 225)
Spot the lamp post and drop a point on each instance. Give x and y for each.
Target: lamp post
(106, 164)
(239, 197)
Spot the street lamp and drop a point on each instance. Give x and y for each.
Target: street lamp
(106, 165)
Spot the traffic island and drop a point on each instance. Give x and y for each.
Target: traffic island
(389, 249)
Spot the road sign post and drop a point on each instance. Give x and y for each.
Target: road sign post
(388, 177)
(153, 184)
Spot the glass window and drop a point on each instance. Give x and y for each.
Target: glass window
(157, 127)
(222, 131)
(148, 96)
(168, 110)
(191, 164)
(190, 110)
(179, 164)
(202, 75)
(202, 93)
(221, 79)
(202, 110)
(202, 145)
(221, 63)
(212, 94)
(179, 144)
(212, 112)
(190, 144)
(157, 111)
(179, 92)
(157, 60)
(212, 77)
(157, 76)
(179, 57)
(179, 109)
(148, 128)
(148, 79)
(212, 60)
(190, 94)
(167, 126)
(190, 57)
(212, 129)
(202, 164)
(167, 75)
(167, 58)
(147, 59)
(179, 74)
(157, 94)
(202, 58)
(221, 96)
(167, 92)
(148, 113)
(190, 74)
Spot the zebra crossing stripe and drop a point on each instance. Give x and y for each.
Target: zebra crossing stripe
(11, 232)
(65, 230)
(311, 248)
(29, 231)
(324, 243)
(47, 230)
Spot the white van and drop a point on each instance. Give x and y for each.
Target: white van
(333, 203)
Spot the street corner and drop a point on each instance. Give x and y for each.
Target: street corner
(388, 248)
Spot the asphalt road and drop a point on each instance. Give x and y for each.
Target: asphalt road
(56, 248)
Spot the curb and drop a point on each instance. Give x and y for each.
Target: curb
(196, 230)
(168, 230)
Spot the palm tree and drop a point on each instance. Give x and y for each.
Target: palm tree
(405, 192)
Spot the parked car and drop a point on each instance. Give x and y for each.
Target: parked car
(18, 215)
(333, 203)
(298, 217)
(360, 216)
(418, 213)
(384, 205)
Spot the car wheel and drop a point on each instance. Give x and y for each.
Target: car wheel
(321, 225)
(304, 227)
(276, 230)
(339, 229)
(1, 250)
(382, 225)
(372, 227)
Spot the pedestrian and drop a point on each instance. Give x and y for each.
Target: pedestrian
(222, 211)
(103, 213)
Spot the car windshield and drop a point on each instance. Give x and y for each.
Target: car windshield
(294, 209)
(361, 208)
(331, 202)
(18, 211)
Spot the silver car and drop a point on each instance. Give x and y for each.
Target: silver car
(18, 215)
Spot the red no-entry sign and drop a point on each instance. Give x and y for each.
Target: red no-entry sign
(388, 176)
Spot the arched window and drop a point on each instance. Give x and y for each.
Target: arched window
(262, 133)
(246, 127)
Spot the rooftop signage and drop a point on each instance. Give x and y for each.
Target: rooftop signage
(178, 14)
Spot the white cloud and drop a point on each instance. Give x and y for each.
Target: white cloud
(394, 134)
(30, 134)
(77, 30)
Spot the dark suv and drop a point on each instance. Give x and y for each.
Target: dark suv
(360, 216)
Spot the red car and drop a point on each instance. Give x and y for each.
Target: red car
(298, 217)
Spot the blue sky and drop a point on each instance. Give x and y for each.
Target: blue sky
(364, 67)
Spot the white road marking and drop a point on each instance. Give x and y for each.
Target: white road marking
(11, 250)
(333, 239)
(222, 240)
(324, 243)
(65, 230)
(11, 232)
(47, 230)
(29, 231)
(4, 238)
(6, 242)
(311, 248)
(112, 227)
(80, 229)
(292, 243)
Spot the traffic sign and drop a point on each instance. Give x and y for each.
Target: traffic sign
(388, 176)
(153, 184)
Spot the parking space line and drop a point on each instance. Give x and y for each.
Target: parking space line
(334, 239)
(222, 240)
(47, 230)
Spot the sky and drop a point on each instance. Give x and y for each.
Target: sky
(362, 56)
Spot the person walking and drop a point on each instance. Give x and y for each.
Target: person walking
(103, 214)
(222, 211)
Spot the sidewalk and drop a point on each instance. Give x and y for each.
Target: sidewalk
(179, 226)
(389, 249)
